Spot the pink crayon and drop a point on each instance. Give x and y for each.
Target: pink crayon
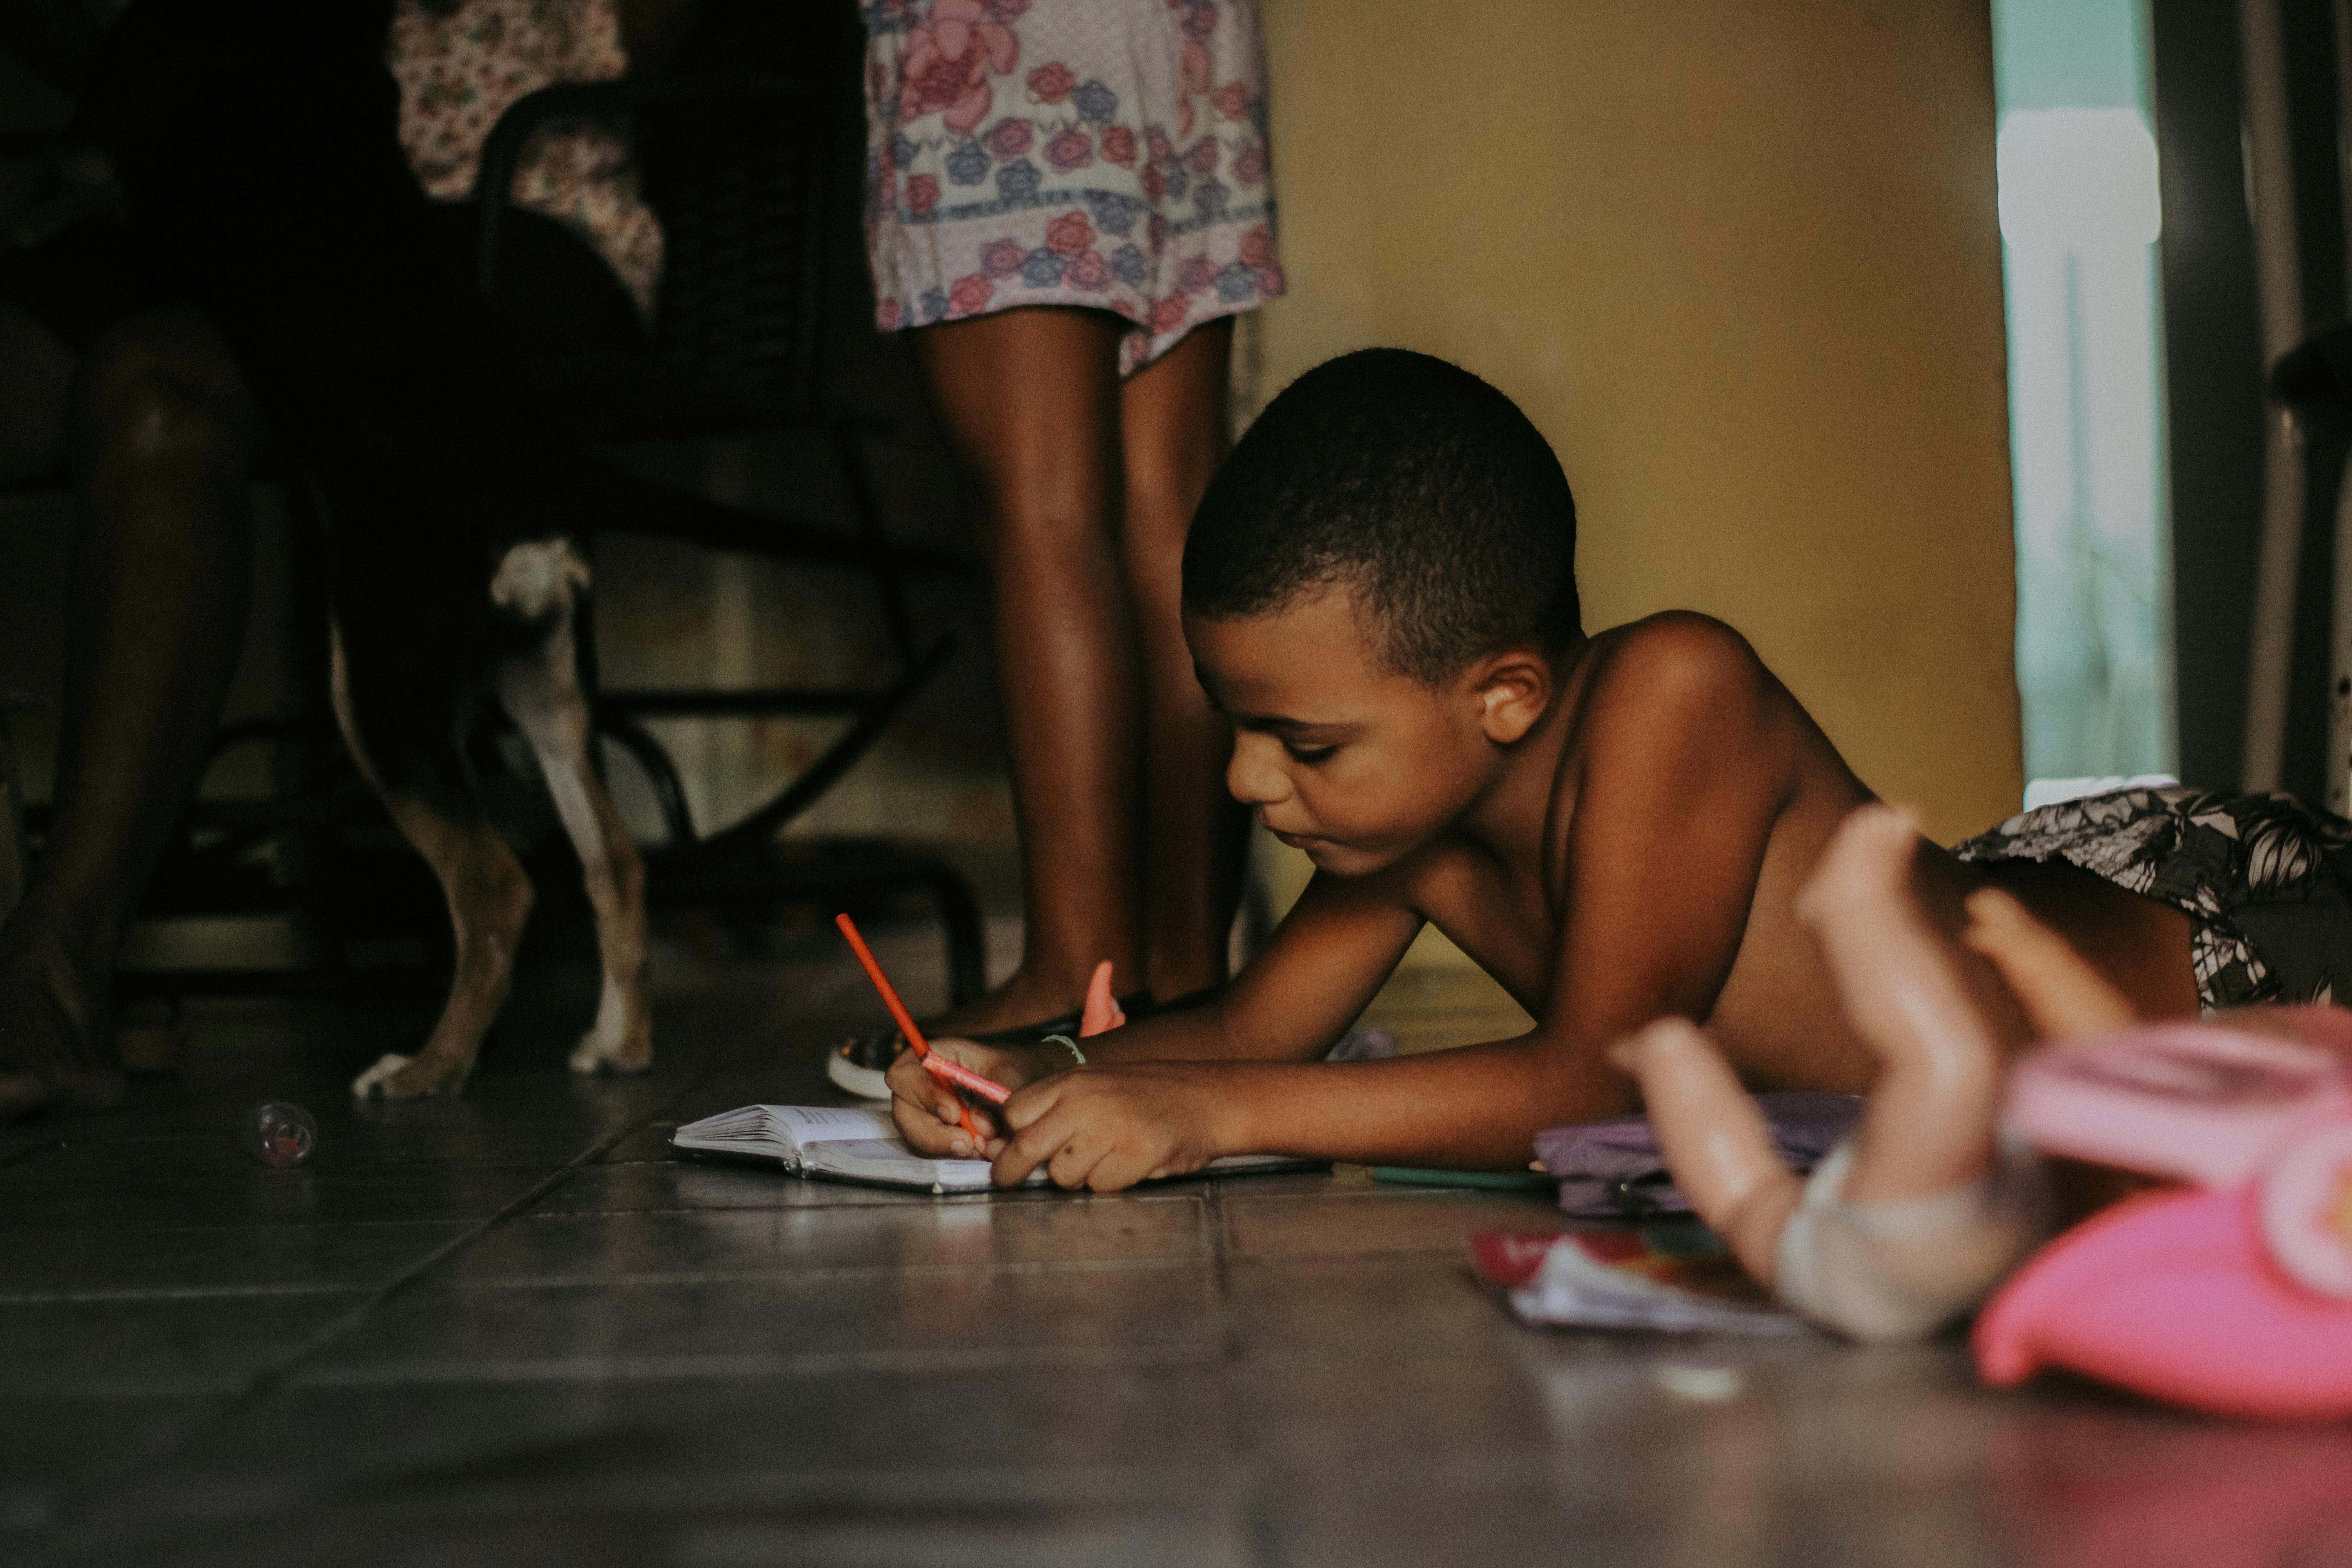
(958, 1076)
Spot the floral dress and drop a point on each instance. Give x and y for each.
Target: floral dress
(457, 73)
(2265, 880)
(1101, 153)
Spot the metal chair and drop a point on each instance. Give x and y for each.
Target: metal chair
(736, 165)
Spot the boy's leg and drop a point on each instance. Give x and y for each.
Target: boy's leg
(1713, 1139)
(162, 437)
(1173, 433)
(1032, 399)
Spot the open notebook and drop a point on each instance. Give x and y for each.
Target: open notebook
(850, 1144)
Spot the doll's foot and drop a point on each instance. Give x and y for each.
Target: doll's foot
(1898, 975)
(56, 1039)
(2062, 995)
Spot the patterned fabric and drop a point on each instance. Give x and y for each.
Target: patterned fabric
(1101, 153)
(2265, 880)
(457, 73)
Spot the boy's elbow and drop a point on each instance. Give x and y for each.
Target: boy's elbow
(1576, 1083)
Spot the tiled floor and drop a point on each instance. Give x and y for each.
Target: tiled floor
(505, 1329)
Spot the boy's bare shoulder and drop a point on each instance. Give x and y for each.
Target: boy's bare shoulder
(1673, 670)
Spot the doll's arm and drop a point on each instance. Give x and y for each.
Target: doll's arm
(1714, 1139)
(2062, 995)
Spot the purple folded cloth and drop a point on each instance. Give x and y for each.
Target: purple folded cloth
(1611, 1170)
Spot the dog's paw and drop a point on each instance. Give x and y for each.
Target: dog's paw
(396, 1077)
(629, 1052)
(371, 1084)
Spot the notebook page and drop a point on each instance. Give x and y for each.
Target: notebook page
(892, 1159)
(807, 1124)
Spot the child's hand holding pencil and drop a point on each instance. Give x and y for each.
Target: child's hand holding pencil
(930, 1111)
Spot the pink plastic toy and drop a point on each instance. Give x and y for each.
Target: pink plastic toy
(1103, 1011)
(2235, 1298)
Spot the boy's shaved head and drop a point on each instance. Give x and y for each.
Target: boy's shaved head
(1410, 483)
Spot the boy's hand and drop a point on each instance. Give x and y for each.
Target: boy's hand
(930, 1115)
(1105, 1128)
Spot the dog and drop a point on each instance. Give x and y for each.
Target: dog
(251, 154)
(527, 663)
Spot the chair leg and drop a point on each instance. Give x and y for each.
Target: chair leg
(887, 577)
(652, 759)
(967, 937)
(14, 859)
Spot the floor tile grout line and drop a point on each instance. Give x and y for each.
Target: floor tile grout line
(1212, 1220)
(824, 1274)
(262, 1383)
(270, 1377)
(1264, 1540)
(799, 1365)
(26, 1152)
(134, 1294)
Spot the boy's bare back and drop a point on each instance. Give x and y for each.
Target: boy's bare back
(1690, 799)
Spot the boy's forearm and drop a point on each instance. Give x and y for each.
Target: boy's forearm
(1478, 1108)
(1202, 1034)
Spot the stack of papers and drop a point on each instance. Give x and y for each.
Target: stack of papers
(1671, 1278)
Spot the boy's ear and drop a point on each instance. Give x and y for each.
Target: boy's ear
(1512, 689)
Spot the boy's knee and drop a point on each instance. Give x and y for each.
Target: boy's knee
(163, 387)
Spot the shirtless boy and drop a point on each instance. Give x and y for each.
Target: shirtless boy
(1380, 594)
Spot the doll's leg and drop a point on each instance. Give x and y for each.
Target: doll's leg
(1929, 1125)
(1713, 1138)
(1921, 1213)
(2062, 995)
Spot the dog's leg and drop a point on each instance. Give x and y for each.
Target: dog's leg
(489, 898)
(543, 583)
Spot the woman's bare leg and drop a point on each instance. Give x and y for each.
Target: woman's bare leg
(161, 436)
(1173, 434)
(1032, 398)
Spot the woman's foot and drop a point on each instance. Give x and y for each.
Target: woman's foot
(1017, 1008)
(57, 1038)
(1020, 1002)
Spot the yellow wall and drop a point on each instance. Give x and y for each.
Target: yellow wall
(1740, 262)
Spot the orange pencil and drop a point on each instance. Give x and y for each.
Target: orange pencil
(941, 1069)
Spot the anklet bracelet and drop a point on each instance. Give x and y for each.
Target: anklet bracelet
(1065, 1040)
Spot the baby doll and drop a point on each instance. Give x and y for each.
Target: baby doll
(1917, 1218)
(2228, 1292)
